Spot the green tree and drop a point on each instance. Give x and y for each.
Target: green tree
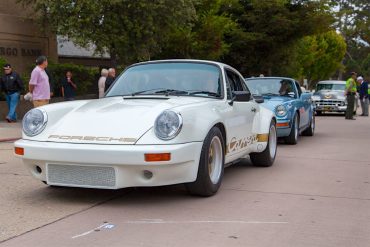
(128, 30)
(319, 56)
(268, 31)
(205, 38)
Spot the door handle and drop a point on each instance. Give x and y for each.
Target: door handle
(253, 109)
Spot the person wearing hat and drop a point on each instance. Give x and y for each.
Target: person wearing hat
(364, 97)
(39, 83)
(351, 89)
(12, 84)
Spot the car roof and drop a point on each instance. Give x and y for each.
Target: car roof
(331, 82)
(269, 77)
(183, 61)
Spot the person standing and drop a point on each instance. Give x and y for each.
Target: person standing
(101, 82)
(39, 85)
(110, 79)
(12, 84)
(351, 90)
(68, 87)
(364, 97)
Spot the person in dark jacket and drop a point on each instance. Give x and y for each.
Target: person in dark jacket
(12, 85)
(68, 87)
(110, 79)
(364, 97)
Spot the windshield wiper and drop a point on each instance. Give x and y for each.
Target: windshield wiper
(205, 92)
(271, 94)
(171, 91)
(165, 91)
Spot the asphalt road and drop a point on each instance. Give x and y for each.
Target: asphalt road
(316, 194)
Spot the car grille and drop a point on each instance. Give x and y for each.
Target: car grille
(88, 176)
(330, 102)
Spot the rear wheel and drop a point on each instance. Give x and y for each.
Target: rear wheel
(292, 139)
(310, 131)
(211, 165)
(267, 157)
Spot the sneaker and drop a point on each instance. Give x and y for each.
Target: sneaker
(8, 120)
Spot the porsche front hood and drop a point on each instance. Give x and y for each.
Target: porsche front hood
(109, 120)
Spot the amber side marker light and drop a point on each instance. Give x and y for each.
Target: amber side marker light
(19, 151)
(157, 157)
(282, 125)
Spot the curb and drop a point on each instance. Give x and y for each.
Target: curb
(10, 139)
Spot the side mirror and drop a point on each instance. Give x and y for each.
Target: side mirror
(258, 99)
(240, 96)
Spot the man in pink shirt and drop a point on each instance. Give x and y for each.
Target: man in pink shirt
(39, 83)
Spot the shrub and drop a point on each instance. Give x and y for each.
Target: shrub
(84, 77)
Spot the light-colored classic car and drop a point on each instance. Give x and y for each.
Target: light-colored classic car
(330, 96)
(160, 123)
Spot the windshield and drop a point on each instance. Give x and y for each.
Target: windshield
(271, 86)
(178, 78)
(340, 87)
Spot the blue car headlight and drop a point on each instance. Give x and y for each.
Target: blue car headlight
(281, 111)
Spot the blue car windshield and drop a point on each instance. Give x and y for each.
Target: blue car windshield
(177, 78)
(270, 86)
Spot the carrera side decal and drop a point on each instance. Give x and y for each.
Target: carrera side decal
(236, 145)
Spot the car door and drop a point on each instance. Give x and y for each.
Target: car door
(240, 117)
(303, 106)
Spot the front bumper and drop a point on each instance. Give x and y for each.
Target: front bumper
(283, 127)
(329, 106)
(109, 166)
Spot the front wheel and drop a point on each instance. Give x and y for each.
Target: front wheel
(267, 157)
(211, 165)
(292, 139)
(310, 131)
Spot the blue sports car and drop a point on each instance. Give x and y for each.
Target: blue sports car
(293, 108)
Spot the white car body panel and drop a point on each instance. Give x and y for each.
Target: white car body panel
(117, 132)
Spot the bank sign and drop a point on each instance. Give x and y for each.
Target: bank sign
(15, 52)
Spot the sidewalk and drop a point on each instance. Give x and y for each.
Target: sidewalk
(10, 131)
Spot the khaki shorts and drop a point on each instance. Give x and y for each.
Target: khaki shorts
(41, 102)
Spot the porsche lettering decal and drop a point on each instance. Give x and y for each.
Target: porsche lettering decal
(92, 138)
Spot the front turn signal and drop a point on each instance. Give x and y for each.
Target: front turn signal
(19, 151)
(157, 157)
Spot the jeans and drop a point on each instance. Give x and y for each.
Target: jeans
(365, 106)
(12, 101)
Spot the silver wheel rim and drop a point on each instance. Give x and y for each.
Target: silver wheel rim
(313, 123)
(272, 141)
(215, 160)
(296, 128)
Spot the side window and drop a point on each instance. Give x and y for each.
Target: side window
(299, 89)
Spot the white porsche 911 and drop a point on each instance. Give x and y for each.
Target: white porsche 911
(160, 123)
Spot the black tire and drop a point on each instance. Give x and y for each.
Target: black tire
(319, 113)
(292, 139)
(266, 158)
(203, 185)
(310, 131)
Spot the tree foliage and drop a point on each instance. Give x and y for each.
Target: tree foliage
(274, 37)
(318, 56)
(128, 30)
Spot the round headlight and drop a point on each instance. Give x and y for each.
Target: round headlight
(34, 122)
(167, 125)
(281, 111)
